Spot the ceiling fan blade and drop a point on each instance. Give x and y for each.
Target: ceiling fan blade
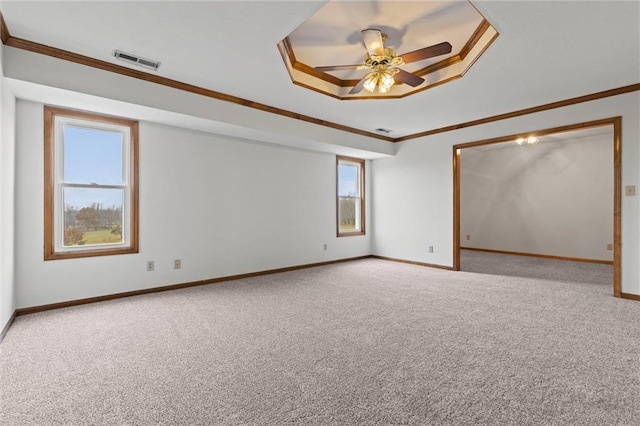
(373, 41)
(338, 67)
(408, 78)
(358, 87)
(427, 52)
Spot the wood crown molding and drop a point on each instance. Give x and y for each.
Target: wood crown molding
(4, 31)
(42, 49)
(287, 49)
(54, 52)
(287, 52)
(553, 105)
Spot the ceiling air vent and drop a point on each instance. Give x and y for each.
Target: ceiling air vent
(136, 60)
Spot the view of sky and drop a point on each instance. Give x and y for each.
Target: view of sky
(92, 156)
(348, 179)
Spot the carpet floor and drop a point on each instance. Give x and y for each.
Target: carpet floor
(363, 342)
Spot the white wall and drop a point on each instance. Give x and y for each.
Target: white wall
(413, 191)
(551, 198)
(224, 206)
(7, 168)
(183, 109)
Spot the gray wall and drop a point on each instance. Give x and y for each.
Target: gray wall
(552, 198)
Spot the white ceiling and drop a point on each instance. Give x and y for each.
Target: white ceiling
(547, 51)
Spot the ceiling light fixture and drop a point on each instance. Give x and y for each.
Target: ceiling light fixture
(381, 80)
(531, 140)
(383, 63)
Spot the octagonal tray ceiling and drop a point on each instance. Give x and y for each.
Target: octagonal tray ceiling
(332, 36)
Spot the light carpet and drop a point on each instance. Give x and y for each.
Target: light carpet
(363, 342)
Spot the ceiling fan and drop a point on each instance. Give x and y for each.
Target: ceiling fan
(384, 63)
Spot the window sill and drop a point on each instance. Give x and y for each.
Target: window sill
(351, 234)
(89, 253)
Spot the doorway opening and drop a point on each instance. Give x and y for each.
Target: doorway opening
(526, 141)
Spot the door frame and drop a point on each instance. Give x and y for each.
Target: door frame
(616, 122)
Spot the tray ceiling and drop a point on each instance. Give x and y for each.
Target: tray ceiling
(546, 52)
(332, 36)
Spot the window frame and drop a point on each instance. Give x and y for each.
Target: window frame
(53, 185)
(361, 181)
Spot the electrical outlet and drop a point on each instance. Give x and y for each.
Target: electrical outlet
(468, 237)
(609, 246)
(430, 249)
(150, 265)
(630, 190)
(324, 247)
(177, 264)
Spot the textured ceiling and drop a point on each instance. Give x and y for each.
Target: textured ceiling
(546, 52)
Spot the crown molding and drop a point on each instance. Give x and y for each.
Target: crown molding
(9, 40)
(306, 76)
(545, 107)
(46, 50)
(4, 31)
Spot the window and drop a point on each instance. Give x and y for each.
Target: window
(350, 202)
(91, 191)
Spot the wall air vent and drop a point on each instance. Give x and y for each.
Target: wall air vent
(136, 60)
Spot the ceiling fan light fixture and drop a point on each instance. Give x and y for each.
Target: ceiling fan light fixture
(385, 82)
(371, 81)
(381, 80)
(531, 140)
(384, 65)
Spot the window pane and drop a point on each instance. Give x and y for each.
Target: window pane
(92, 216)
(347, 213)
(348, 197)
(348, 180)
(91, 165)
(92, 156)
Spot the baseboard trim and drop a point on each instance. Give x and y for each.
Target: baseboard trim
(630, 296)
(413, 262)
(76, 302)
(8, 325)
(543, 256)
